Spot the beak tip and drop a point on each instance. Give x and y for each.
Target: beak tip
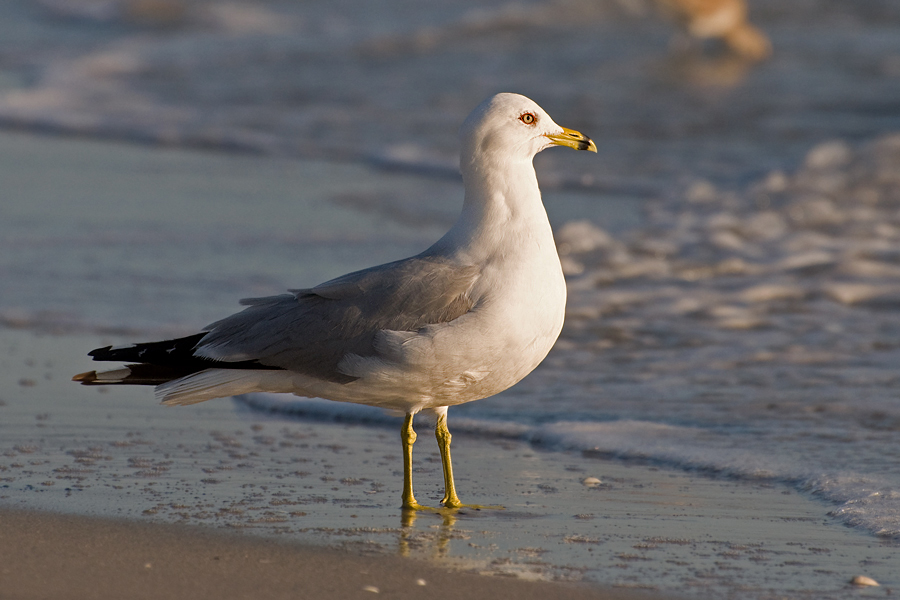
(572, 139)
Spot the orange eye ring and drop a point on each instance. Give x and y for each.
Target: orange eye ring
(528, 118)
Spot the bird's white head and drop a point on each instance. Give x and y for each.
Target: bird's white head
(513, 127)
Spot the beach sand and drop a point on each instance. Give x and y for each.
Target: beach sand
(55, 556)
(95, 484)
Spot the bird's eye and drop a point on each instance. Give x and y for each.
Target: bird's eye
(528, 118)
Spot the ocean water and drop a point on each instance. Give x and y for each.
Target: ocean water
(732, 253)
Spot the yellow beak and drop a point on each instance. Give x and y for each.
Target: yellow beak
(572, 139)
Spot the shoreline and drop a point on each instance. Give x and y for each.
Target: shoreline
(63, 556)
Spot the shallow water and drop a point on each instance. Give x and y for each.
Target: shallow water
(390, 85)
(732, 254)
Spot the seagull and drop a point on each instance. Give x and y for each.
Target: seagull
(465, 319)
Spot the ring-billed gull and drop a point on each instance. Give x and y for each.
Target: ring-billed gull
(465, 319)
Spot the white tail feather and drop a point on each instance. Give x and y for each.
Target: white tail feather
(113, 376)
(221, 383)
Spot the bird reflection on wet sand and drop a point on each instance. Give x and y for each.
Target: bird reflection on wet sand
(410, 539)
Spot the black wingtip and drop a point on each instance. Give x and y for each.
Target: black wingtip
(95, 353)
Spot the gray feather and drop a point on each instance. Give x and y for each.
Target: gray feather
(310, 330)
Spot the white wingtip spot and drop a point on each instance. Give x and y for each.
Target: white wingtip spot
(114, 375)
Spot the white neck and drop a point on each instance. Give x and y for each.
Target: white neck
(501, 204)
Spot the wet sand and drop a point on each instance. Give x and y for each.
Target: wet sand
(54, 556)
(295, 488)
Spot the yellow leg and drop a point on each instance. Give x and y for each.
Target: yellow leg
(451, 500)
(408, 437)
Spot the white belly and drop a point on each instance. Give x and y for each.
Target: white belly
(513, 325)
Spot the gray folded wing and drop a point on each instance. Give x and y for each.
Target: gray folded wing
(310, 330)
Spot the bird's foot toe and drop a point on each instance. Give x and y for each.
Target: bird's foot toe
(455, 504)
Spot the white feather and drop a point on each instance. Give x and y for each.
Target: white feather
(219, 383)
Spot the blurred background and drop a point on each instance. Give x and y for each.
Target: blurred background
(662, 84)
